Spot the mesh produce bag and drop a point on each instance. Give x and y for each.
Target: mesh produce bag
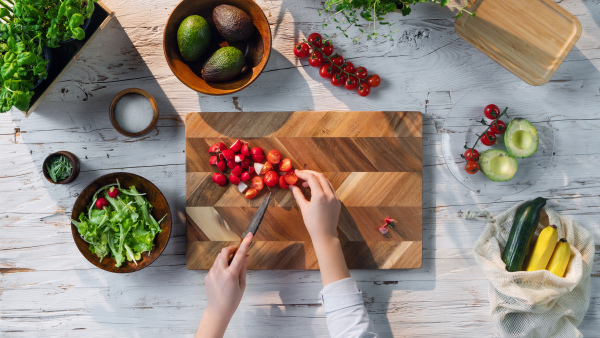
(537, 303)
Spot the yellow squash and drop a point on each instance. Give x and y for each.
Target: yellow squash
(560, 258)
(544, 247)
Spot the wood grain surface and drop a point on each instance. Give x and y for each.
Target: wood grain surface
(373, 160)
(530, 38)
(48, 289)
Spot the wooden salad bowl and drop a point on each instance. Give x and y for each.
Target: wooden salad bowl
(156, 198)
(257, 49)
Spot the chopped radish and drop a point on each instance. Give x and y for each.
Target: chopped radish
(258, 167)
(231, 164)
(257, 151)
(389, 220)
(221, 165)
(245, 176)
(236, 146)
(217, 147)
(213, 160)
(219, 179)
(237, 171)
(258, 158)
(239, 158)
(245, 150)
(251, 170)
(242, 187)
(383, 229)
(229, 155)
(234, 179)
(245, 163)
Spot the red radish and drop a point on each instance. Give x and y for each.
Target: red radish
(213, 160)
(101, 202)
(273, 156)
(219, 179)
(389, 220)
(245, 163)
(291, 178)
(229, 155)
(251, 170)
(221, 165)
(113, 192)
(250, 193)
(245, 150)
(234, 179)
(217, 147)
(271, 179)
(245, 176)
(237, 171)
(268, 166)
(258, 183)
(231, 164)
(258, 158)
(256, 151)
(282, 183)
(285, 165)
(258, 167)
(239, 157)
(242, 186)
(236, 146)
(383, 229)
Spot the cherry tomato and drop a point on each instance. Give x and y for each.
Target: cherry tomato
(301, 50)
(326, 71)
(271, 179)
(315, 59)
(471, 154)
(256, 151)
(491, 111)
(219, 179)
(350, 83)
(282, 183)
(498, 127)
(488, 138)
(101, 202)
(258, 183)
(363, 89)
(290, 177)
(250, 193)
(285, 165)
(337, 60)
(338, 79)
(327, 48)
(268, 166)
(315, 39)
(373, 80)
(273, 156)
(472, 167)
(349, 67)
(361, 73)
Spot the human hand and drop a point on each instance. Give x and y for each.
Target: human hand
(322, 212)
(225, 285)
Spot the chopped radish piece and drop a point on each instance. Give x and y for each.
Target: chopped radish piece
(383, 229)
(231, 164)
(236, 146)
(217, 147)
(245, 150)
(234, 179)
(257, 151)
(258, 158)
(258, 167)
(245, 163)
(239, 158)
(245, 176)
(251, 170)
(242, 187)
(237, 171)
(213, 160)
(221, 165)
(219, 179)
(229, 155)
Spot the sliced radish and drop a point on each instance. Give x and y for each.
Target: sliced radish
(257, 151)
(239, 158)
(245, 150)
(213, 160)
(242, 187)
(236, 146)
(245, 163)
(234, 179)
(221, 165)
(251, 170)
(237, 171)
(219, 179)
(229, 155)
(258, 158)
(231, 164)
(245, 176)
(217, 147)
(258, 167)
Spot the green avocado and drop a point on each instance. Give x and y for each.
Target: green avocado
(193, 37)
(233, 24)
(498, 165)
(224, 65)
(521, 138)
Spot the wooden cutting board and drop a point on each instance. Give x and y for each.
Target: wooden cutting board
(373, 159)
(530, 38)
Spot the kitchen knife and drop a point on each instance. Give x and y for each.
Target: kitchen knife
(254, 222)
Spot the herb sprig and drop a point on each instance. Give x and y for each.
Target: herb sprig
(59, 168)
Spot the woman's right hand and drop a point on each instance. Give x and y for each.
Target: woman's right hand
(322, 212)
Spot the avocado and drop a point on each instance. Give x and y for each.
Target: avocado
(521, 138)
(233, 24)
(225, 64)
(193, 36)
(498, 165)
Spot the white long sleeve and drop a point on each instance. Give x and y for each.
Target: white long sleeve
(345, 310)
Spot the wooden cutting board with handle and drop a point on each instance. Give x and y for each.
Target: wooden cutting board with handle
(373, 160)
(530, 38)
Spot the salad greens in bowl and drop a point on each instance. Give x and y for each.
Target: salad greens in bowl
(121, 222)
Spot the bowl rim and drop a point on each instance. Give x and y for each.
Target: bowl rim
(74, 164)
(96, 263)
(228, 91)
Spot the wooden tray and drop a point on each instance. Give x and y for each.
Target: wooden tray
(530, 38)
(373, 159)
(64, 56)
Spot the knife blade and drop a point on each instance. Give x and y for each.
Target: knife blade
(254, 222)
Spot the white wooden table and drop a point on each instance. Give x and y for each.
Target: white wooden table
(48, 288)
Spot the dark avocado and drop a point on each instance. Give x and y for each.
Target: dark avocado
(233, 24)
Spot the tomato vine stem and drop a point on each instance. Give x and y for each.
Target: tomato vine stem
(488, 128)
(341, 68)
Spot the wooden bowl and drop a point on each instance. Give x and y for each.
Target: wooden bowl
(74, 163)
(161, 208)
(257, 49)
(113, 104)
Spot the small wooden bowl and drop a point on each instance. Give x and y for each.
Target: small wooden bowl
(74, 163)
(161, 208)
(257, 49)
(113, 104)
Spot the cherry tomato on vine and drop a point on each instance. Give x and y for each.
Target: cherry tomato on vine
(338, 79)
(361, 73)
(472, 167)
(471, 154)
(315, 39)
(326, 70)
(498, 127)
(349, 67)
(350, 83)
(491, 111)
(337, 59)
(363, 89)
(327, 48)
(488, 138)
(315, 59)
(301, 50)
(373, 80)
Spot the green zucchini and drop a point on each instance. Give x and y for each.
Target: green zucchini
(525, 222)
